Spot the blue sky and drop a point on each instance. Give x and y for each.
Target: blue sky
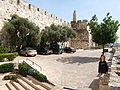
(85, 8)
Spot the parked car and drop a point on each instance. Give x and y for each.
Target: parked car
(69, 49)
(44, 50)
(28, 51)
(56, 48)
(107, 49)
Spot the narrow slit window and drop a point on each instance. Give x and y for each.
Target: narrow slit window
(29, 6)
(18, 2)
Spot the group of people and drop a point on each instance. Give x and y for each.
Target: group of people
(103, 67)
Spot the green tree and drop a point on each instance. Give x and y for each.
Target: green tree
(19, 32)
(57, 33)
(104, 32)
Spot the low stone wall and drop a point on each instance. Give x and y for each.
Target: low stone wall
(114, 82)
(103, 82)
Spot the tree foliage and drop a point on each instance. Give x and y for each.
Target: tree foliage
(20, 32)
(104, 32)
(57, 33)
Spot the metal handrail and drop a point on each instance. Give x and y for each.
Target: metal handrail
(33, 63)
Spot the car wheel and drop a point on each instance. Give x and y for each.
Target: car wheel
(20, 53)
(60, 52)
(26, 54)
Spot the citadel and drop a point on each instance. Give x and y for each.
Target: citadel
(43, 18)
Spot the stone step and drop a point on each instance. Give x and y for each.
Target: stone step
(84, 89)
(41, 88)
(46, 86)
(37, 87)
(10, 86)
(53, 87)
(4, 87)
(25, 85)
(17, 85)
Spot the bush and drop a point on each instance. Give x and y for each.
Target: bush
(31, 71)
(9, 56)
(4, 49)
(40, 76)
(10, 77)
(23, 69)
(8, 67)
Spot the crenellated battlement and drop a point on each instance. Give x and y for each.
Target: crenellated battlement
(33, 8)
(37, 15)
(79, 25)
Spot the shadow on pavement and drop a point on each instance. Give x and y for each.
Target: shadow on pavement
(95, 84)
(79, 60)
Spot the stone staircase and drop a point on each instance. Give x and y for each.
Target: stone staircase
(29, 83)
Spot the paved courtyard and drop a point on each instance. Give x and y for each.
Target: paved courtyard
(71, 70)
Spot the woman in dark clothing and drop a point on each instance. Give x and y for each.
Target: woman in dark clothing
(103, 67)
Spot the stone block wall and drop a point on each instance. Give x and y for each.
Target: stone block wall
(23, 9)
(83, 39)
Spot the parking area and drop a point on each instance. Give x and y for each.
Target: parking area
(72, 70)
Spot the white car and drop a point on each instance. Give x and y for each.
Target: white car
(28, 51)
(107, 49)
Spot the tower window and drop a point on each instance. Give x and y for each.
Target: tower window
(29, 6)
(51, 15)
(11, 1)
(45, 12)
(18, 2)
(38, 9)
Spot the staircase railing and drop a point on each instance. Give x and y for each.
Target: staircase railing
(33, 64)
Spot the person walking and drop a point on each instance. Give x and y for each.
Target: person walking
(103, 67)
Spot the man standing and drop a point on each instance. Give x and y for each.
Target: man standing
(112, 52)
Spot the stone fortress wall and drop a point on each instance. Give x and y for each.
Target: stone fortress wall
(42, 19)
(23, 9)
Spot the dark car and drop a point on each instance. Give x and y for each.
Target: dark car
(69, 49)
(44, 50)
(56, 48)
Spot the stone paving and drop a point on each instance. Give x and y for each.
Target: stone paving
(3, 82)
(74, 70)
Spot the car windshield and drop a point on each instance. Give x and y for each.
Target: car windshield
(71, 47)
(29, 48)
(46, 48)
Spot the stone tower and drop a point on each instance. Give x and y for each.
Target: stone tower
(83, 39)
(74, 16)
